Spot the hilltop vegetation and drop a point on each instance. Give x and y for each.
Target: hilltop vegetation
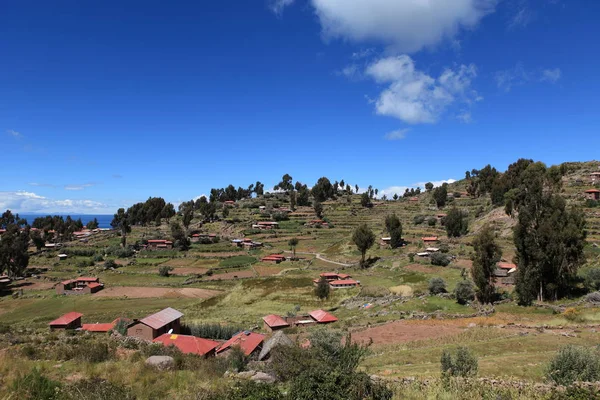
(413, 304)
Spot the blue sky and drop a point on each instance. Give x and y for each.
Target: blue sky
(107, 103)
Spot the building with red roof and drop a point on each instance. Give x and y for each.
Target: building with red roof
(344, 284)
(429, 239)
(276, 258)
(98, 327)
(151, 327)
(81, 285)
(159, 244)
(322, 317)
(70, 320)
(274, 323)
(248, 342)
(189, 344)
(337, 281)
(592, 194)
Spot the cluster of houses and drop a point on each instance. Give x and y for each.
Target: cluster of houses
(337, 281)
(164, 327)
(81, 285)
(246, 243)
(265, 225)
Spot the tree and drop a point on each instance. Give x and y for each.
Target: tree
(14, 243)
(180, 238)
(487, 253)
(285, 184)
(293, 201)
(188, 216)
(225, 211)
(318, 209)
(322, 289)
(394, 228)
(429, 187)
(396, 196)
(37, 239)
(259, 188)
(293, 242)
(549, 237)
(365, 200)
(93, 224)
(463, 363)
(456, 223)
(302, 199)
(364, 238)
(464, 292)
(440, 195)
(168, 211)
(121, 223)
(356, 189)
(322, 190)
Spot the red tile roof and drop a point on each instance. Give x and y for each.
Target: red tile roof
(98, 327)
(248, 342)
(87, 279)
(157, 241)
(502, 265)
(322, 316)
(343, 276)
(329, 275)
(188, 344)
(275, 321)
(593, 191)
(429, 239)
(94, 285)
(66, 319)
(161, 318)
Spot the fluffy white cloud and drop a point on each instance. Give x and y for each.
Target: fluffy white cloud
(405, 25)
(551, 75)
(29, 202)
(397, 134)
(416, 97)
(277, 6)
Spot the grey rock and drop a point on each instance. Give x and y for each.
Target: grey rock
(160, 362)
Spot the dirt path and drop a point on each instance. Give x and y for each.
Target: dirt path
(149, 292)
(319, 257)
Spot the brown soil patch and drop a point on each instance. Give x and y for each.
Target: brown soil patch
(189, 271)
(230, 275)
(427, 269)
(32, 284)
(462, 263)
(402, 332)
(268, 271)
(148, 292)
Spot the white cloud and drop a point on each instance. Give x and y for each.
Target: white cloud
(416, 97)
(352, 72)
(277, 6)
(28, 202)
(50, 185)
(521, 18)
(364, 53)
(390, 191)
(397, 134)
(15, 134)
(75, 187)
(551, 75)
(465, 117)
(404, 25)
(519, 75)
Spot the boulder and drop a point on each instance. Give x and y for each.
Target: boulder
(263, 377)
(160, 362)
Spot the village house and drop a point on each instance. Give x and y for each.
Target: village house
(151, 327)
(70, 320)
(313, 318)
(82, 285)
(274, 323)
(262, 225)
(429, 239)
(248, 342)
(595, 176)
(104, 327)
(592, 194)
(344, 284)
(275, 258)
(159, 244)
(189, 344)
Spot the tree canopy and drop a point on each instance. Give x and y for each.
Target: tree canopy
(364, 238)
(487, 253)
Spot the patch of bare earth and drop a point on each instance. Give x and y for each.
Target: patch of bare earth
(230, 275)
(402, 332)
(268, 271)
(189, 271)
(149, 292)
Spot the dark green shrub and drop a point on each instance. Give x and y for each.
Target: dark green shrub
(98, 258)
(591, 203)
(165, 271)
(432, 221)
(464, 292)
(440, 259)
(237, 359)
(437, 285)
(462, 363)
(574, 363)
(110, 264)
(210, 331)
(418, 219)
(592, 279)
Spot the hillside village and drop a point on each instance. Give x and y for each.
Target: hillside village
(273, 270)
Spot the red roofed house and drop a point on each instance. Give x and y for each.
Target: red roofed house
(249, 342)
(274, 323)
(159, 244)
(276, 258)
(103, 327)
(154, 325)
(82, 285)
(344, 284)
(592, 194)
(322, 317)
(189, 344)
(70, 320)
(429, 239)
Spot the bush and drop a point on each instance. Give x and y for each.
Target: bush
(418, 219)
(85, 263)
(444, 248)
(591, 203)
(249, 390)
(210, 331)
(573, 315)
(411, 257)
(592, 279)
(437, 285)
(574, 363)
(165, 271)
(440, 259)
(36, 386)
(237, 359)
(463, 363)
(98, 258)
(432, 221)
(110, 264)
(464, 292)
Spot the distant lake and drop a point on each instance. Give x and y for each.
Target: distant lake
(103, 220)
